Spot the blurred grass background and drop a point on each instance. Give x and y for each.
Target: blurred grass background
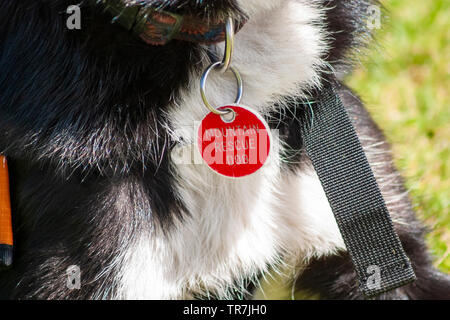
(405, 84)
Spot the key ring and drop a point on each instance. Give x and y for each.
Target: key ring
(223, 66)
(203, 88)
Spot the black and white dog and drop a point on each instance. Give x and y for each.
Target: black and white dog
(89, 120)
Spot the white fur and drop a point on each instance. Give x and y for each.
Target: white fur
(236, 228)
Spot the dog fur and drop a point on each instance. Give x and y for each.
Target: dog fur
(91, 120)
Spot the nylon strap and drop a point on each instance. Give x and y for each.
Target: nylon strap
(354, 196)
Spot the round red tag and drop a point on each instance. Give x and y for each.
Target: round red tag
(234, 148)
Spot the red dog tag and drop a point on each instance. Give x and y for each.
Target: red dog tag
(234, 148)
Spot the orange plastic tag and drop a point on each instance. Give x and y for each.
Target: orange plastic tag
(6, 235)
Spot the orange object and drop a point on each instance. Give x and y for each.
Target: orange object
(6, 234)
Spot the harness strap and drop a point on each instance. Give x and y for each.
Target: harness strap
(354, 196)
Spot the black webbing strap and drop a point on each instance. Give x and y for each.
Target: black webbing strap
(352, 191)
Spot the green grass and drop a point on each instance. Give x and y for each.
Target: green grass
(405, 84)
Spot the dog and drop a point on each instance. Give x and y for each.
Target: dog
(90, 120)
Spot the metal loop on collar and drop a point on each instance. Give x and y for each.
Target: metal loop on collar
(229, 46)
(203, 88)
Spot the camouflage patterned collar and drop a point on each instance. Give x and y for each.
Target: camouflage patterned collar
(158, 27)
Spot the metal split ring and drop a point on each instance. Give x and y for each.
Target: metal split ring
(229, 46)
(203, 88)
(223, 66)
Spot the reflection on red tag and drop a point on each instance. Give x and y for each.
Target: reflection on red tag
(237, 148)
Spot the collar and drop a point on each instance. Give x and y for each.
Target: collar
(158, 27)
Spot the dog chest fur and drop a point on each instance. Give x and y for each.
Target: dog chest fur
(235, 229)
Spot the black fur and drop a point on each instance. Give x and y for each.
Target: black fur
(83, 126)
(81, 123)
(210, 9)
